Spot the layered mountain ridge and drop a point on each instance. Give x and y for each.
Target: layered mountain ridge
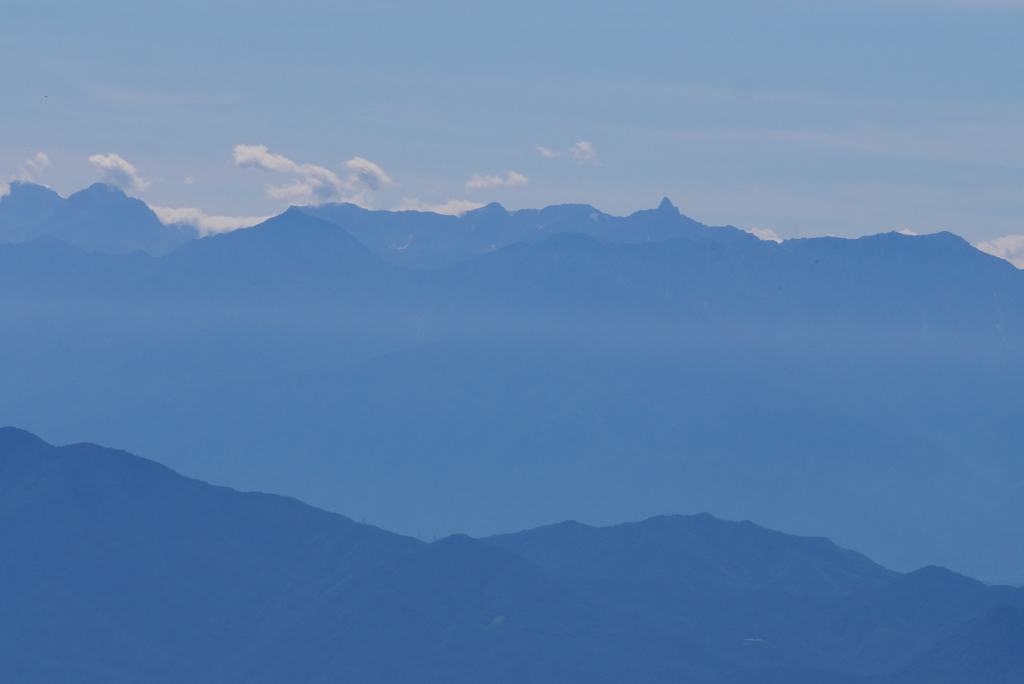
(425, 240)
(825, 386)
(117, 569)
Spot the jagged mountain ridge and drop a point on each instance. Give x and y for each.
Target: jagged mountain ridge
(426, 240)
(911, 282)
(100, 218)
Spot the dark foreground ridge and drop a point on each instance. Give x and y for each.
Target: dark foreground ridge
(116, 569)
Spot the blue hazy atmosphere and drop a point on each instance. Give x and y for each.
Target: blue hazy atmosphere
(805, 118)
(489, 343)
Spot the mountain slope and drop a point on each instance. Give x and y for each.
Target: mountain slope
(24, 208)
(987, 650)
(288, 256)
(100, 218)
(427, 240)
(116, 569)
(699, 550)
(823, 386)
(114, 563)
(912, 283)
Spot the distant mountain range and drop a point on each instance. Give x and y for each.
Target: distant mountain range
(100, 218)
(870, 390)
(425, 240)
(117, 569)
(892, 281)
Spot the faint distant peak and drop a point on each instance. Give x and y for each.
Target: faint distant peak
(99, 189)
(667, 207)
(492, 209)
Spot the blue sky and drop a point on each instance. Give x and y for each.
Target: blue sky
(804, 118)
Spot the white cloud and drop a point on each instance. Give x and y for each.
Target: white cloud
(317, 184)
(27, 173)
(546, 153)
(189, 180)
(5, 188)
(1009, 247)
(583, 151)
(511, 179)
(117, 171)
(766, 234)
(40, 162)
(366, 172)
(206, 225)
(451, 207)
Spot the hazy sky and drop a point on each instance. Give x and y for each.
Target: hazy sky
(805, 118)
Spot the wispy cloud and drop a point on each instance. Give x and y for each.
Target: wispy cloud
(511, 179)
(766, 234)
(366, 172)
(584, 151)
(117, 171)
(206, 225)
(189, 180)
(1009, 247)
(546, 153)
(317, 183)
(40, 162)
(28, 172)
(451, 207)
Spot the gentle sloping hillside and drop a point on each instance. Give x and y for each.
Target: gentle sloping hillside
(116, 569)
(699, 550)
(117, 566)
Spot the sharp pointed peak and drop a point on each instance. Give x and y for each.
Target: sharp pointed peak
(667, 205)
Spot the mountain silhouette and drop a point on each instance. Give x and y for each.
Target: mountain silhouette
(428, 240)
(100, 218)
(286, 256)
(117, 569)
(824, 386)
(701, 548)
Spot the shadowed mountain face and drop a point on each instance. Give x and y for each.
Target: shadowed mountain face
(987, 649)
(699, 548)
(100, 218)
(870, 390)
(116, 569)
(24, 208)
(425, 240)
